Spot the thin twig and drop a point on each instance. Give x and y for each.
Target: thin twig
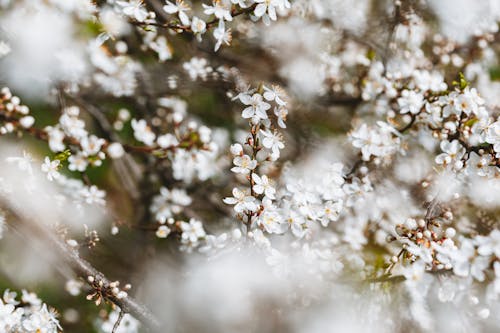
(118, 321)
(83, 268)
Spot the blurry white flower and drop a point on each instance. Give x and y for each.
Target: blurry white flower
(51, 168)
(198, 26)
(74, 287)
(219, 9)
(134, 8)
(410, 101)
(163, 231)
(222, 36)
(93, 195)
(179, 7)
(23, 163)
(115, 150)
(142, 132)
(78, 162)
(192, 231)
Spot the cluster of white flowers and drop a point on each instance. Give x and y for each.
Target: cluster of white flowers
(186, 19)
(15, 115)
(115, 72)
(165, 206)
(70, 130)
(262, 145)
(414, 98)
(27, 314)
(380, 141)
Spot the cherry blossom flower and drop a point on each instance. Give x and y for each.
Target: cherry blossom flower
(142, 132)
(256, 107)
(167, 140)
(115, 150)
(219, 9)
(179, 7)
(272, 141)
(197, 67)
(272, 222)
(222, 36)
(377, 142)
(134, 8)
(192, 231)
(91, 145)
(51, 168)
(275, 93)
(198, 26)
(242, 201)
(266, 9)
(452, 154)
(243, 164)
(410, 101)
(163, 231)
(281, 113)
(78, 162)
(93, 195)
(263, 185)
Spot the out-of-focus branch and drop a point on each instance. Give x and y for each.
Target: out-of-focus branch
(126, 167)
(84, 269)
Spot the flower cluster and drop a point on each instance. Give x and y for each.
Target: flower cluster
(27, 314)
(14, 114)
(70, 130)
(381, 141)
(185, 19)
(263, 145)
(165, 206)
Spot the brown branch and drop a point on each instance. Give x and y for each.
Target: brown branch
(82, 267)
(128, 170)
(187, 28)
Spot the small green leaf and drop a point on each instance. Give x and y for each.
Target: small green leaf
(462, 82)
(63, 156)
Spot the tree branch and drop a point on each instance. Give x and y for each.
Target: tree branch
(84, 269)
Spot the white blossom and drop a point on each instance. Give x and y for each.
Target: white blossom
(134, 8)
(142, 132)
(179, 7)
(51, 168)
(219, 9)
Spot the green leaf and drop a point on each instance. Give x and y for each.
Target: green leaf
(462, 82)
(63, 156)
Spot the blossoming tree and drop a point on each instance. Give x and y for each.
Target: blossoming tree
(249, 165)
